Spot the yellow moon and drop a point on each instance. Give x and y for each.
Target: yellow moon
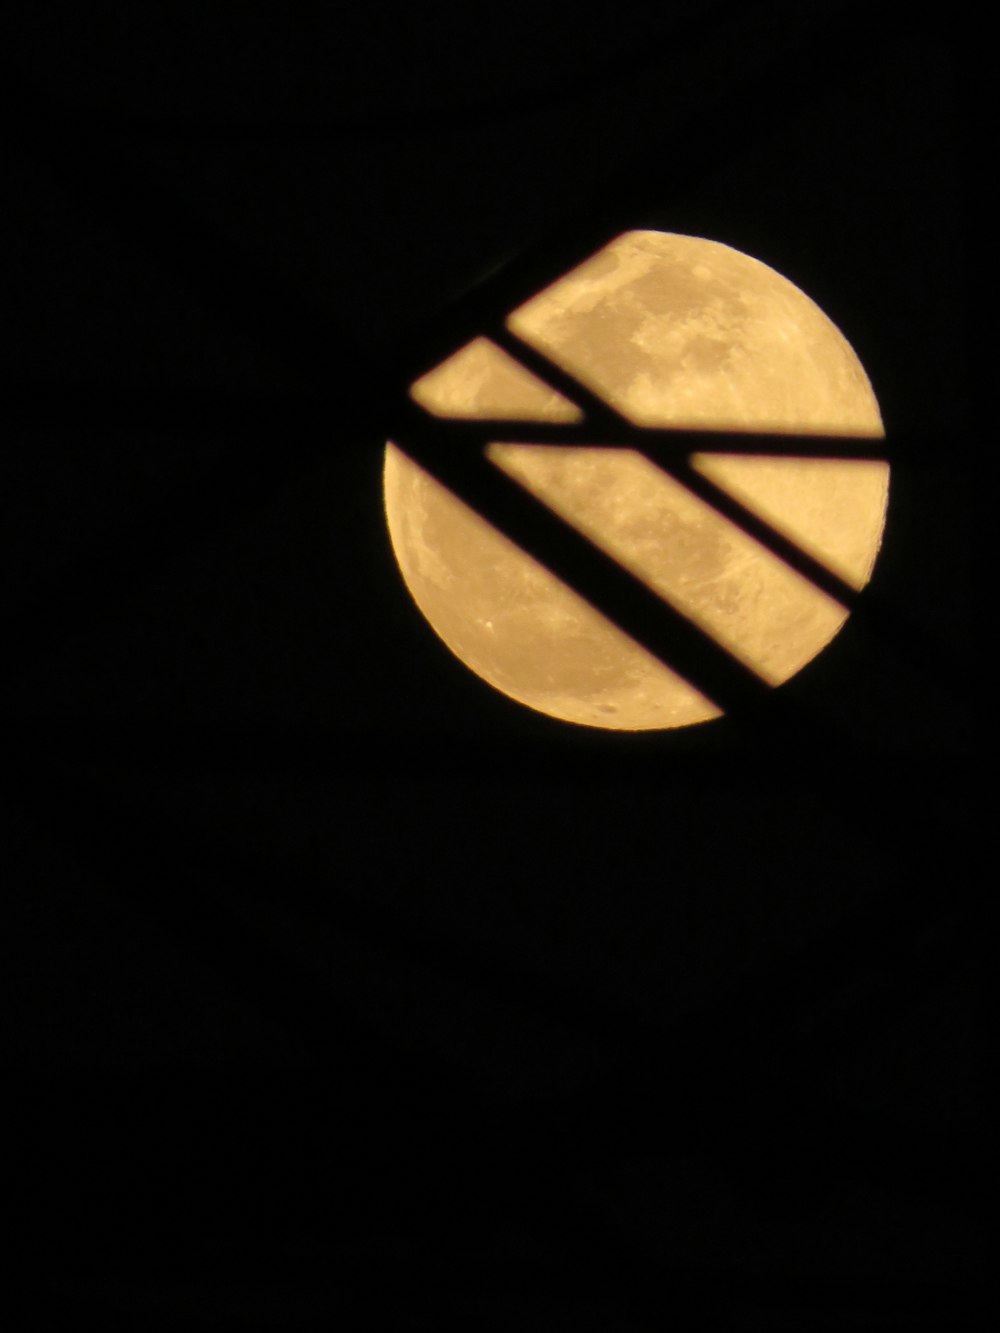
(672, 331)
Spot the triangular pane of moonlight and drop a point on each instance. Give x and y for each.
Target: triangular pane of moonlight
(672, 331)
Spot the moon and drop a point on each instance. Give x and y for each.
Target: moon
(673, 331)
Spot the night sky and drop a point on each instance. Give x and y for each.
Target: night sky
(341, 990)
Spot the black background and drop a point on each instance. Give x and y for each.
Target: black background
(343, 991)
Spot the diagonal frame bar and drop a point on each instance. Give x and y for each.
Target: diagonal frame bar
(613, 591)
(670, 451)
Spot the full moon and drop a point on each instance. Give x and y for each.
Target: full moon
(671, 331)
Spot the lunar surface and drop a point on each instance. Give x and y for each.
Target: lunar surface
(671, 331)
